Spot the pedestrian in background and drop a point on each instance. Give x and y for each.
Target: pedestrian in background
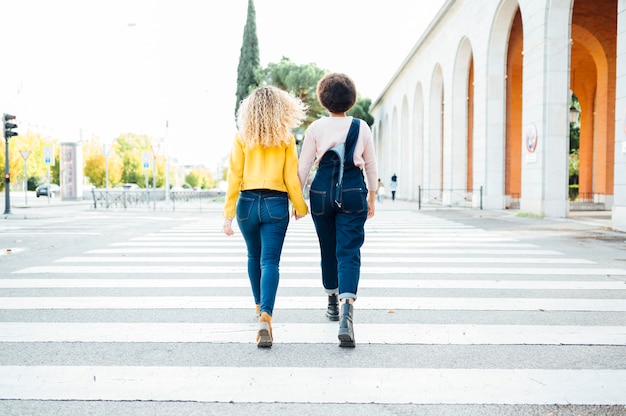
(393, 186)
(262, 179)
(343, 150)
(380, 191)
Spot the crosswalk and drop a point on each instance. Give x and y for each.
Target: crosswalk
(447, 314)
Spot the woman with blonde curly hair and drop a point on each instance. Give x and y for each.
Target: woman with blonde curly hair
(262, 179)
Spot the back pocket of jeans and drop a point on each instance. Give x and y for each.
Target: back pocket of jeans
(318, 201)
(244, 207)
(277, 207)
(354, 200)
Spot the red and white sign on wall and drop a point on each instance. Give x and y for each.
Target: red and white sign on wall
(530, 143)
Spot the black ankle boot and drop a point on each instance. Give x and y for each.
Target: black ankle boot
(332, 312)
(346, 333)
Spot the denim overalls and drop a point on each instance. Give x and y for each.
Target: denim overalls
(339, 217)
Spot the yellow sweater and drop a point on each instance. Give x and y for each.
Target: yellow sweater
(273, 168)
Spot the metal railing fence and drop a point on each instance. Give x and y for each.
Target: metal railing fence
(149, 198)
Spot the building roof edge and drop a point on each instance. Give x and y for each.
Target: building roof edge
(433, 23)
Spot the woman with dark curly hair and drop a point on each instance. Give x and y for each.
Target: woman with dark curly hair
(340, 200)
(262, 178)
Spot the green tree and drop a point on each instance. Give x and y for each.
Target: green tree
(55, 170)
(361, 110)
(300, 80)
(249, 61)
(574, 151)
(207, 179)
(95, 169)
(94, 165)
(192, 179)
(129, 149)
(94, 162)
(37, 171)
(201, 178)
(160, 172)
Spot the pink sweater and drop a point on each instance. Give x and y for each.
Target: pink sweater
(328, 132)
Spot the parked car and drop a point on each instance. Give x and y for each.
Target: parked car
(130, 186)
(42, 190)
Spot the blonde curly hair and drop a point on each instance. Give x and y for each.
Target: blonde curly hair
(267, 116)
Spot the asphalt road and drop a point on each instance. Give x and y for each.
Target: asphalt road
(460, 312)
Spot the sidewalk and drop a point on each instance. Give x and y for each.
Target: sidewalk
(18, 200)
(31, 205)
(600, 219)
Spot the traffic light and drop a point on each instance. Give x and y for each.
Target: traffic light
(8, 126)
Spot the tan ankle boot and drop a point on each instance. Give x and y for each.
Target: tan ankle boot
(264, 336)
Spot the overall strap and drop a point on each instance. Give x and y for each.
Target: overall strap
(353, 135)
(350, 144)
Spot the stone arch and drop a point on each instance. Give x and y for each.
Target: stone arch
(396, 148)
(376, 135)
(460, 138)
(513, 129)
(404, 169)
(436, 133)
(593, 81)
(384, 144)
(493, 151)
(418, 140)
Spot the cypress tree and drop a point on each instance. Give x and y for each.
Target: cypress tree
(249, 61)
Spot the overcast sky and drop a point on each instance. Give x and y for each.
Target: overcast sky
(105, 67)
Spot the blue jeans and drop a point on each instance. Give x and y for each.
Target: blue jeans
(340, 230)
(263, 216)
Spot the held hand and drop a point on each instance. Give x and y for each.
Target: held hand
(295, 214)
(371, 205)
(228, 226)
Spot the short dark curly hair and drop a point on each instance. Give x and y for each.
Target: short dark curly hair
(336, 92)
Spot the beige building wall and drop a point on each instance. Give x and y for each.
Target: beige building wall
(482, 102)
(619, 207)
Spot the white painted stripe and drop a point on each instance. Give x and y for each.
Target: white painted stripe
(365, 270)
(410, 220)
(377, 221)
(396, 334)
(293, 302)
(368, 238)
(384, 230)
(164, 248)
(387, 232)
(49, 233)
(314, 259)
(314, 385)
(313, 243)
(315, 283)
